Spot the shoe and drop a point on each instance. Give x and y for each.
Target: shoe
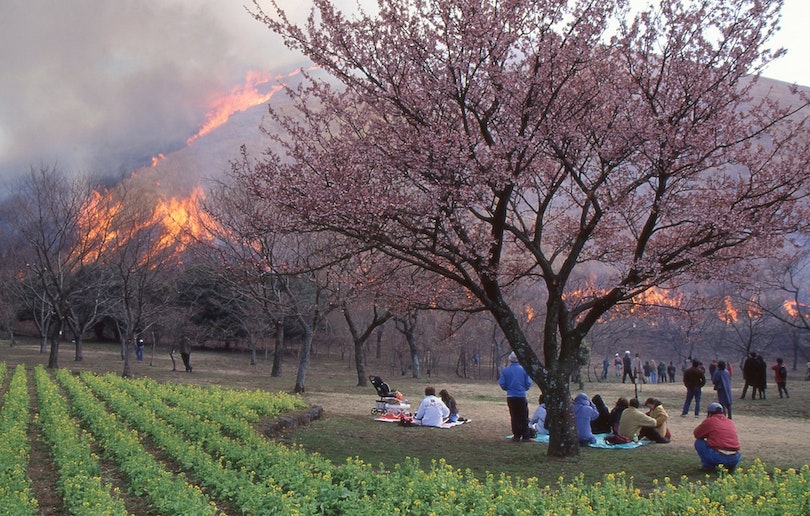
(683, 415)
(730, 469)
(708, 468)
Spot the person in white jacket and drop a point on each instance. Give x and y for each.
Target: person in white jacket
(432, 411)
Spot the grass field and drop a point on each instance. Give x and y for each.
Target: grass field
(772, 430)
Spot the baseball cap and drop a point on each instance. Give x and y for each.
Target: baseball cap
(715, 408)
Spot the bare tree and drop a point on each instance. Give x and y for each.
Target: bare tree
(49, 212)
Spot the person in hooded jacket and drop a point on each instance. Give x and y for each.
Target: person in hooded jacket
(584, 412)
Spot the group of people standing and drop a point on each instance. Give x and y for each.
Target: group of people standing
(694, 379)
(649, 371)
(755, 374)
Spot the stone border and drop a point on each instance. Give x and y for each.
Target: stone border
(304, 418)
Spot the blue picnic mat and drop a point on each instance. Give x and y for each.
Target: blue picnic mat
(600, 442)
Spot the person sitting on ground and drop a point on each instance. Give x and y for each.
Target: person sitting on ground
(432, 410)
(616, 413)
(600, 425)
(584, 413)
(538, 420)
(657, 412)
(635, 424)
(451, 405)
(716, 440)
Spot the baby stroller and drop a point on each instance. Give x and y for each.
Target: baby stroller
(391, 403)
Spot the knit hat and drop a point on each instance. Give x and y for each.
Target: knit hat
(715, 408)
(513, 357)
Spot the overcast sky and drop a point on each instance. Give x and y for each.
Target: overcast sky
(95, 84)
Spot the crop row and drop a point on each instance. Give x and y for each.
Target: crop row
(15, 486)
(212, 460)
(80, 484)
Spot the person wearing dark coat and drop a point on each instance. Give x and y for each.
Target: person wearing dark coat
(600, 425)
(627, 364)
(693, 379)
(761, 376)
(616, 414)
(749, 375)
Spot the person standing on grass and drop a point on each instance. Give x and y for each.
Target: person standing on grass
(780, 375)
(638, 369)
(671, 370)
(717, 442)
(761, 376)
(749, 374)
(627, 364)
(722, 384)
(693, 379)
(515, 381)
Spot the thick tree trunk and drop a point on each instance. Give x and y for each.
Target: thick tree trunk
(360, 363)
(379, 342)
(78, 357)
(53, 358)
(278, 353)
(563, 441)
(303, 362)
(127, 372)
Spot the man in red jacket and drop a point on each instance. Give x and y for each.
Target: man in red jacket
(717, 441)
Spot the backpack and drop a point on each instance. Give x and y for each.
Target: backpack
(783, 372)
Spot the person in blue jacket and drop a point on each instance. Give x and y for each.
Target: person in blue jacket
(722, 384)
(515, 381)
(584, 412)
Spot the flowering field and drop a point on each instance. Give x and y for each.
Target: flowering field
(136, 446)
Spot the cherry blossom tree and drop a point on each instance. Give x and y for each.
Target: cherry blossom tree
(530, 144)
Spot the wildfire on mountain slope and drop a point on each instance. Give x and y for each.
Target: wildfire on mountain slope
(240, 98)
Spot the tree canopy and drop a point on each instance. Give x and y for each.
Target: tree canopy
(552, 145)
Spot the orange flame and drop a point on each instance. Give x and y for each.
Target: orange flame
(183, 221)
(157, 159)
(658, 297)
(791, 308)
(94, 222)
(728, 314)
(794, 309)
(240, 98)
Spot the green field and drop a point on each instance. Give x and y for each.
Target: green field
(168, 442)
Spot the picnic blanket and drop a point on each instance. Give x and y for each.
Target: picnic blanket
(394, 418)
(600, 442)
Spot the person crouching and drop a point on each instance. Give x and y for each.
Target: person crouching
(717, 442)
